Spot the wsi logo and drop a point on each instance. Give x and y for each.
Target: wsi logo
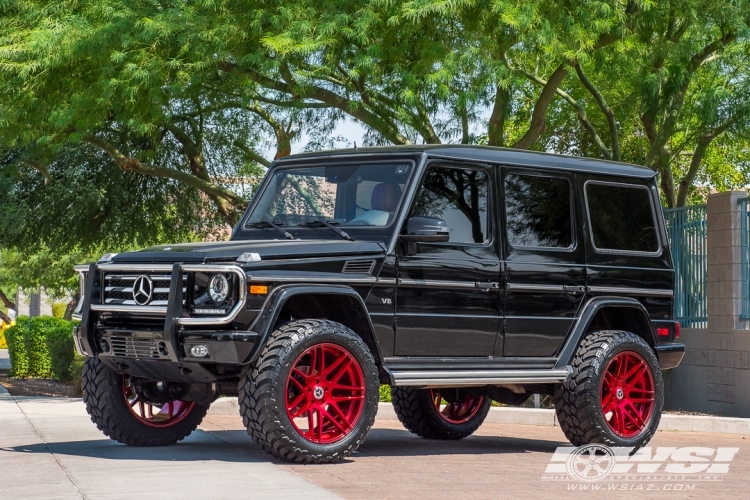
(596, 462)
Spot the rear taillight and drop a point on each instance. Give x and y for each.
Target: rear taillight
(662, 332)
(677, 329)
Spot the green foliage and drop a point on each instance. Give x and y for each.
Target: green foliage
(38, 347)
(61, 349)
(3, 342)
(385, 393)
(58, 309)
(17, 349)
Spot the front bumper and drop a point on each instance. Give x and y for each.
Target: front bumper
(171, 330)
(670, 355)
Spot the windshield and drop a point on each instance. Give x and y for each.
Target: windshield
(361, 195)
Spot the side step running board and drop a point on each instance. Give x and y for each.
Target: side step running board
(470, 378)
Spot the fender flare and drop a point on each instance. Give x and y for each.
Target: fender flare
(269, 314)
(586, 316)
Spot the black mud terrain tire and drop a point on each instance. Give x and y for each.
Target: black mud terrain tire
(579, 404)
(108, 408)
(417, 411)
(264, 389)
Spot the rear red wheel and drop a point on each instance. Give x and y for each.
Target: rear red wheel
(168, 414)
(325, 393)
(457, 408)
(615, 392)
(627, 394)
(440, 413)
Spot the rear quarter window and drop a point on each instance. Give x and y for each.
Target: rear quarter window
(621, 218)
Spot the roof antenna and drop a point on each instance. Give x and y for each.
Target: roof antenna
(355, 145)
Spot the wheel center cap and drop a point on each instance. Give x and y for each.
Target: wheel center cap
(318, 392)
(620, 394)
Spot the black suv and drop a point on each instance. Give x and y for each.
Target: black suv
(457, 275)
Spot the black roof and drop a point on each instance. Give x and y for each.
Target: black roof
(492, 154)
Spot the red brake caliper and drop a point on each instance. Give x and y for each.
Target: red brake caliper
(325, 393)
(627, 394)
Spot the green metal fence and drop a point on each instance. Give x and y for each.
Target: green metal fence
(686, 228)
(745, 257)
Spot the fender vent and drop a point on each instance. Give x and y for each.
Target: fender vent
(358, 267)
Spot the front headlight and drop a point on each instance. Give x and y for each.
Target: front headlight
(218, 288)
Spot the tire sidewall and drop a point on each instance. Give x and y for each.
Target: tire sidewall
(362, 355)
(620, 344)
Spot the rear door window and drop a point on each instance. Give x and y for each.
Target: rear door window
(621, 218)
(538, 211)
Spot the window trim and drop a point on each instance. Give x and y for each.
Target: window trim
(654, 218)
(440, 163)
(279, 167)
(571, 198)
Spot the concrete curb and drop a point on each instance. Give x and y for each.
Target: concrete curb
(547, 417)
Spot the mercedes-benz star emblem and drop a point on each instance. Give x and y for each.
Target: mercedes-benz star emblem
(143, 288)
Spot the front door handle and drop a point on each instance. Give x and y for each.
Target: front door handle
(575, 289)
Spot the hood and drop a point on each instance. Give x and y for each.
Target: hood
(223, 251)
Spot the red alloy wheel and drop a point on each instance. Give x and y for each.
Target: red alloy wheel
(166, 415)
(627, 394)
(325, 393)
(460, 411)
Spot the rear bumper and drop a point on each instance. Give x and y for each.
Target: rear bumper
(670, 355)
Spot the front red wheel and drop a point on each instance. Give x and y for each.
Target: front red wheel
(167, 414)
(325, 393)
(313, 394)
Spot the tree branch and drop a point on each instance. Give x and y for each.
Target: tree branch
(539, 115)
(7, 302)
(41, 168)
(496, 128)
(252, 154)
(605, 109)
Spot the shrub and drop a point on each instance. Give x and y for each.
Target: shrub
(61, 350)
(30, 354)
(58, 310)
(385, 393)
(3, 342)
(17, 351)
(76, 374)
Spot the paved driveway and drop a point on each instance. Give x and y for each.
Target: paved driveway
(50, 449)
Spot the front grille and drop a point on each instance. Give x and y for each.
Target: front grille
(358, 267)
(118, 288)
(130, 347)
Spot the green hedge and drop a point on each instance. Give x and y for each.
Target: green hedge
(41, 347)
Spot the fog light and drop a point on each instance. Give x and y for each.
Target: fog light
(199, 351)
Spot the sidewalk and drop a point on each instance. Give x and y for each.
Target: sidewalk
(50, 449)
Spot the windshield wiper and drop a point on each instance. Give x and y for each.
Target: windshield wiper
(268, 223)
(329, 225)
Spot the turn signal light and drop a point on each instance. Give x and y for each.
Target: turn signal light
(259, 289)
(662, 332)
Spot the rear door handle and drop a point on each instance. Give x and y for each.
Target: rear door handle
(574, 289)
(486, 286)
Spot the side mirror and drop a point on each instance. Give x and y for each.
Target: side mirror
(424, 230)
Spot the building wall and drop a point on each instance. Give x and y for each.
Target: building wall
(714, 376)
